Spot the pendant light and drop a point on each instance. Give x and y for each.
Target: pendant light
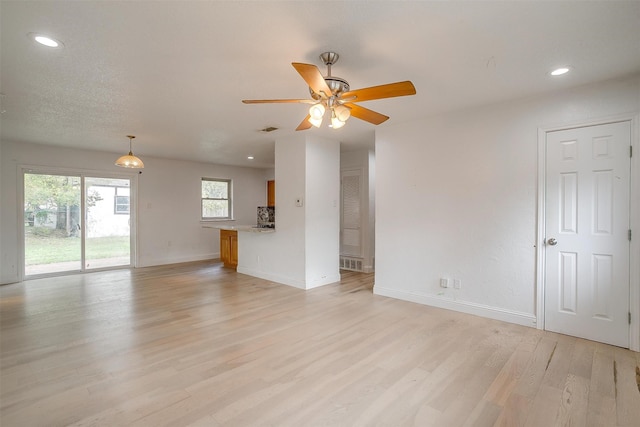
(130, 161)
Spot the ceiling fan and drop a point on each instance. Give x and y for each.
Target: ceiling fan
(334, 94)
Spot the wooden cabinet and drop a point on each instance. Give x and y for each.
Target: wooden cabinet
(229, 248)
(271, 193)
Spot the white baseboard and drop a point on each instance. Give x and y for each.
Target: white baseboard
(324, 281)
(177, 259)
(284, 280)
(496, 313)
(272, 277)
(9, 279)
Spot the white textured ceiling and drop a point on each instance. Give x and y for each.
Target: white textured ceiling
(174, 73)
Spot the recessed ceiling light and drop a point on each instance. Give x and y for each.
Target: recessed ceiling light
(560, 71)
(249, 157)
(46, 40)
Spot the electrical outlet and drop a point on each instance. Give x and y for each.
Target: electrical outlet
(444, 283)
(456, 283)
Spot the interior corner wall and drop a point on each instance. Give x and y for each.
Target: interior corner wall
(168, 210)
(303, 251)
(269, 174)
(280, 256)
(456, 198)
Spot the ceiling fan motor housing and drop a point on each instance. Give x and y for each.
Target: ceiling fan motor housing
(338, 85)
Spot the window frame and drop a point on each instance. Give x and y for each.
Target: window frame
(229, 199)
(116, 204)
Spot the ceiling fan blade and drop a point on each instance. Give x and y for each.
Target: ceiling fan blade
(279, 101)
(305, 124)
(366, 114)
(379, 92)
(313, 77)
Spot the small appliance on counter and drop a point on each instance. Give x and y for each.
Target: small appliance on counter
(266, 217)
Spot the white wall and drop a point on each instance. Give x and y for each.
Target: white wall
(371, 220)
(456, 197)
(169, 209)
(303, 251)
(4, 258)
(322, 212)
(280, 256)
(169, 228)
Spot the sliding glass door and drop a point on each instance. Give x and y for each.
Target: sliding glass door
(52, 225)
(108, 222)
(75, 223)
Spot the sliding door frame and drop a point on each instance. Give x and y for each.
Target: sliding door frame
(132, 176)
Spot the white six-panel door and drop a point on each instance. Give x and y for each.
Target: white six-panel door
(586, 227)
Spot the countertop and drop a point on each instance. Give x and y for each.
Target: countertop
(244, 228)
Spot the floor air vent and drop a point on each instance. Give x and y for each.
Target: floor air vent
(354, 264)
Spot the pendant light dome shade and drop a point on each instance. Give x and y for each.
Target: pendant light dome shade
(129, 160)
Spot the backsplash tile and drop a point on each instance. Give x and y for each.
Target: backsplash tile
(266, 216)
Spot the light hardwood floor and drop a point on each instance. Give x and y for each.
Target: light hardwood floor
(196, 344)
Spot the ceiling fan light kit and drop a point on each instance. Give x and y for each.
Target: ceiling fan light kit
(342, 113)
(336, 123)
(316, 113)
(316, 121)
(334, 94)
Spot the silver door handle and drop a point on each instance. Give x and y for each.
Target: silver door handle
(552, 242)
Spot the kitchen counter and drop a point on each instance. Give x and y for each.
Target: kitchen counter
(244, 228)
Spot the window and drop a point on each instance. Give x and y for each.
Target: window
(216, 199)
(121, 201)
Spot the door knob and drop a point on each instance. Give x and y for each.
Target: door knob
(552, 241)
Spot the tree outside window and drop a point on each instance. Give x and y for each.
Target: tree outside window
(54, 200)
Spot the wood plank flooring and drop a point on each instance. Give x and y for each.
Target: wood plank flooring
(197, 344)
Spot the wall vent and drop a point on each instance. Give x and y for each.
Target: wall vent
(353, 264)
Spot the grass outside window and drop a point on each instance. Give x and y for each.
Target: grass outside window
(41, 248)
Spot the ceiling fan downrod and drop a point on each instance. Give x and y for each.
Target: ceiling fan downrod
(338, 85)
(328, 59)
